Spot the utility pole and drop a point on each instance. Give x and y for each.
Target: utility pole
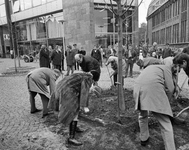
(10, 27)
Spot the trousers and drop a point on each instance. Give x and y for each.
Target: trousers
(165, 126)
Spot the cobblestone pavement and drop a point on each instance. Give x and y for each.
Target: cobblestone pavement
(18, 128)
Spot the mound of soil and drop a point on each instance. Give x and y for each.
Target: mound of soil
(105, 132)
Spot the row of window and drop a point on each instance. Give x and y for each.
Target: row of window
(169, 11)
(20, 5)
(170, 34)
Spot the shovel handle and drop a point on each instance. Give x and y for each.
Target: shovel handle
(182, 111)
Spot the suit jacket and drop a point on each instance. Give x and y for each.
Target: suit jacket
(133, 55)
(56, 57)
(96, 54)
(167, 52)
(151, 89)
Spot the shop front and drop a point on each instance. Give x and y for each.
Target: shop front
(32, 33)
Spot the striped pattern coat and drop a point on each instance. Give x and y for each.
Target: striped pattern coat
(71, 93)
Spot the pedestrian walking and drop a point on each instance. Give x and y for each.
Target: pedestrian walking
(88, 63)
(44, 57)
(70, 60)
(37, 82)
(72, 95)
(151, 91)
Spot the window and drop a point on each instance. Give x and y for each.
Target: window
(175, 35)
(36, 2)
(2, 2)
(43, 1)
(28, 4)
(2, 10)
(22, 4)
(183, 31)
(16, 6)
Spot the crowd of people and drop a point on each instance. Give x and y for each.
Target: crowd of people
(153, 89)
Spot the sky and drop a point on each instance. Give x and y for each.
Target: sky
(143, 11)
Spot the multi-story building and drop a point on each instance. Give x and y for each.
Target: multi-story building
(84, 22)
(167, 22)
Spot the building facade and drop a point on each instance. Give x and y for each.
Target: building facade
(167, 22)
(62, 22)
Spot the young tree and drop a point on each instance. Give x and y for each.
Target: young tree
(123, 6)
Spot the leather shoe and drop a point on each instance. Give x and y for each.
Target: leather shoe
(35, 111)
(74, 142)
(144, 143)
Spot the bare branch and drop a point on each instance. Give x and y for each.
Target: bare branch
(133, 11)
(127, 8)
(112, 8)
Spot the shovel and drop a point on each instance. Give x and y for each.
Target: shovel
(109, 76)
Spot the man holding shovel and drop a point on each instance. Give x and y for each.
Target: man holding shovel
(113, 60)
(151, 91)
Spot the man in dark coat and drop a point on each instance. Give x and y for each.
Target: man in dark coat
(44, 60)
(70, 60)
(186, 50)
(167, 52)
(72, 94)
(88, 63)
(130, 58)
(37, 82)
(96, 53)
(56, 58)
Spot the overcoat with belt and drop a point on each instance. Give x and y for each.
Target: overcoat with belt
(151, 87)
(39, 79)
(71, 93)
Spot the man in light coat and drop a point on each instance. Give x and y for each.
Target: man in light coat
(37, 82)
(113, 60)
(150, 94)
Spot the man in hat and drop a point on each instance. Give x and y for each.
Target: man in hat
(151, 91)
(37, 82)
(88, 63)
(72, 94)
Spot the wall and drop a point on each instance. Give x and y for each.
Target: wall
(79, 23)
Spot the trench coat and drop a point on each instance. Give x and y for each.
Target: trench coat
(39, 79)
(151, 88)
(71, 93)
(44, 58)
(70, 60)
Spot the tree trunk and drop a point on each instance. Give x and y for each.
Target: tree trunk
(121, 102)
